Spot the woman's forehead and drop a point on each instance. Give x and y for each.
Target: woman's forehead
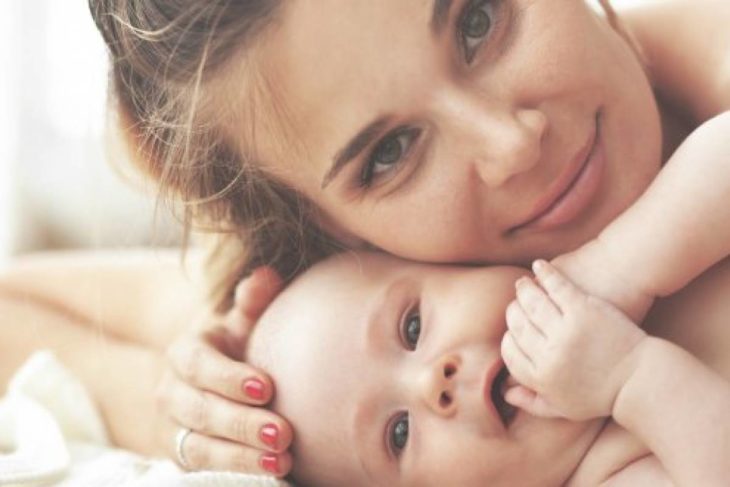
(332, 71)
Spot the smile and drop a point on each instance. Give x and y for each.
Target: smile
(574, 189)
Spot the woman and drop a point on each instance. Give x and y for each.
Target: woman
(472, 131)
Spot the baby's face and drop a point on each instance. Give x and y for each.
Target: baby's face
(388, 370)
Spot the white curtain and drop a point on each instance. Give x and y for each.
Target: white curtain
(57, 188)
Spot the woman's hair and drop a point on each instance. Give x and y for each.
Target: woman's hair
(170, 61)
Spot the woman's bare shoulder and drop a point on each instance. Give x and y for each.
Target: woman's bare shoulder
(685, 46)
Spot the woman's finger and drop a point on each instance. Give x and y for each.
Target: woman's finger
(196, 451)
(253, 294)
(215, 416)
(201, 365)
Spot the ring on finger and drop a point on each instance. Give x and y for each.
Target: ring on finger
(180, 438)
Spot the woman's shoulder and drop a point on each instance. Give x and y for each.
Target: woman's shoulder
(684, 43)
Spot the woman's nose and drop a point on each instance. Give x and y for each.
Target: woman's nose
(437, 385)
(508, 145)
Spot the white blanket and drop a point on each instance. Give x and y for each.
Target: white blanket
(52, 434)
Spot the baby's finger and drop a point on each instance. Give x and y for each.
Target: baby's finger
(538, 307)
(201, 452)
(529, 338)
(561, 290)
(204, 367)
(517, 362)
(527, 399)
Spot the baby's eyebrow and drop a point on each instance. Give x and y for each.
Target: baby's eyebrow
(363, 431)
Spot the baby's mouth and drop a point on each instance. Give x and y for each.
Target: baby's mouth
(505, 410)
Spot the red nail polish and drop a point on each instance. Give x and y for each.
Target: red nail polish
(269, 462)
(254, 388)
(269, 434)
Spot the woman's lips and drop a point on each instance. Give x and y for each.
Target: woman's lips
(573, 191)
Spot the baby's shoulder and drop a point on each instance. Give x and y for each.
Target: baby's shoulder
(617, 458)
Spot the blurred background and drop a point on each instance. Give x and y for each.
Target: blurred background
(58, 189)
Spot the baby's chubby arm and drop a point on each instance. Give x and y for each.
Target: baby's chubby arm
(676, 230)
(582, 358)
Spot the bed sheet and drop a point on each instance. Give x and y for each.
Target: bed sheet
(52, 434)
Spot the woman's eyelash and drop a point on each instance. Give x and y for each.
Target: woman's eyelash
(388, 155)
(475, 23)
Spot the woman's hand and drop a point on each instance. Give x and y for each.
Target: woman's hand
(208, 390)
(571, 352)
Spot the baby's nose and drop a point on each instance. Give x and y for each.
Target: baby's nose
(437, 385)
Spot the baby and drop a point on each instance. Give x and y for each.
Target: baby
(393, 373)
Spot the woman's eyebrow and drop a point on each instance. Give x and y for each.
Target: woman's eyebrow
(353, 148)
(440, 15)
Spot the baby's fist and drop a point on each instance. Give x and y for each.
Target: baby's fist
(572, 352)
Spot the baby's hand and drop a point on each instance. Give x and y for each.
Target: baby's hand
(571, 352)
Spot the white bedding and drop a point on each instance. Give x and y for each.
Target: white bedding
(52, 434)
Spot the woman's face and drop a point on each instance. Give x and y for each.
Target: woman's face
(459, 130)
(388, 371)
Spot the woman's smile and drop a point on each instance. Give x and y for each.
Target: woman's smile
(524, 150)
(573, 190)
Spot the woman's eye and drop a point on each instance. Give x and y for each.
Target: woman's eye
(398, 434)
(475, 25)
(411, 330)
(387, 155)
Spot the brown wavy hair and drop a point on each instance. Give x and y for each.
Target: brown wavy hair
(170, 60)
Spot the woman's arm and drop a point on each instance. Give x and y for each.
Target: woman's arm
(142, 296)
(120, 376)
(686, 46)
(109, 316)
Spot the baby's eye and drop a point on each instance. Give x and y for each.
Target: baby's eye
(411, 329)
(398, 434)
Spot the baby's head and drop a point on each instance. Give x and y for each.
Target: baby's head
(390, 373)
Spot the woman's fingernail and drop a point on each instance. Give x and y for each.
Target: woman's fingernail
(538, 265)
(269, 462)
(269, 434)
(254, 388)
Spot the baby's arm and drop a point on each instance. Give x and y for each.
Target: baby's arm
(584, 359)
(675, 230)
